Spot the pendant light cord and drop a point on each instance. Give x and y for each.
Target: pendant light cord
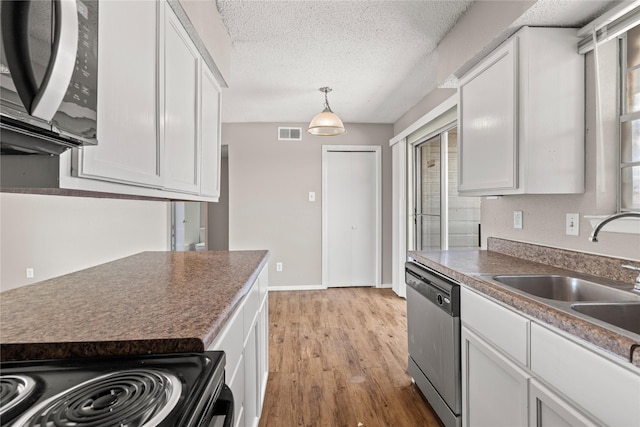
(326, 90)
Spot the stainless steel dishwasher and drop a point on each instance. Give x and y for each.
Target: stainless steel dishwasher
(433, 324)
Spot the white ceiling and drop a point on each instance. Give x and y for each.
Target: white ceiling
(379, 57)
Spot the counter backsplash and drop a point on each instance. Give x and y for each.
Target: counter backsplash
(582, 262)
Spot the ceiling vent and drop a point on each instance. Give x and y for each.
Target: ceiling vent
(289, 134)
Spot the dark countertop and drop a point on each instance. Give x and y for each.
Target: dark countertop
(469, 267)
(152, 302)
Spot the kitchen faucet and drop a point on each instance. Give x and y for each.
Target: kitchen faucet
(594, 238)
(596, 230)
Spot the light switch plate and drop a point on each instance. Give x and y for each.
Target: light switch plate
(572, 227)
(517, 220)
(312, 196)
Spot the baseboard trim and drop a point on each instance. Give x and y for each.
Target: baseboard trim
(297, 288)
(315, 287)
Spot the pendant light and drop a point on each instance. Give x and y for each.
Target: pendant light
(326, 123)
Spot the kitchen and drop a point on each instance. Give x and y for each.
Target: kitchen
(37, 234)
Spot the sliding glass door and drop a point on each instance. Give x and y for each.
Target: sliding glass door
(442, 219)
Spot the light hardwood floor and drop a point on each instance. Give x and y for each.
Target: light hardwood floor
(338, 357)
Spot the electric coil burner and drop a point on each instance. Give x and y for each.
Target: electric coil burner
(177, 390)
(14, 392)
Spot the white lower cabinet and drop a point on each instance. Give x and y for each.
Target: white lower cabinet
(562, 382)
(548, 409)
(251, 379)
(263, 362)
(246, 353)
(609, 390)
(237, 386)
(494, 388)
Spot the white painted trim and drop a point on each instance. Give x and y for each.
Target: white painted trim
(283, 288)
(296, 288)
(399, 217)
(445, 106)
(378, 184)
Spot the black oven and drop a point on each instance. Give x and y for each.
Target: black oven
(164, 390)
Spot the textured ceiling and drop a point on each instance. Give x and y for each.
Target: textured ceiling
(378, 56)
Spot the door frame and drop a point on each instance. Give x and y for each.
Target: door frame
(377, 150)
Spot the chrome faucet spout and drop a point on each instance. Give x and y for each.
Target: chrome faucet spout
(596, 230)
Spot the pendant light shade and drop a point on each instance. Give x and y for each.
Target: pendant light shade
(326, 123)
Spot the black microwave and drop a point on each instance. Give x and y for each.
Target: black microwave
(48, 75)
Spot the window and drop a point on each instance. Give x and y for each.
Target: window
(630, 120)
(622, 22)
(442, 219)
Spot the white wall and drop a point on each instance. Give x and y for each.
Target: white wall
(57, 235)
(269, 183)
(218, 213)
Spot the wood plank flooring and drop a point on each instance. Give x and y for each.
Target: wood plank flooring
(338, 357)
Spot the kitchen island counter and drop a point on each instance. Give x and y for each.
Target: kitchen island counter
(151, 302)
(473, 268)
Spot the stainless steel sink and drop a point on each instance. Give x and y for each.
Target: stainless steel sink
(622, 315)
(565, 288)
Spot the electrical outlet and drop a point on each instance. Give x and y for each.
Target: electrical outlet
(517, 220)
(30, 273)
(572, 225)
(278, 266)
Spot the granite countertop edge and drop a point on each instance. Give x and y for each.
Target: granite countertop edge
(620, 346)
(170, 342)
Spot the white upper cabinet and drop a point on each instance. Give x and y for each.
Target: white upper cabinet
(210, 135)
(158, 110)
(521, 117)
(129, 147)
(181, 87)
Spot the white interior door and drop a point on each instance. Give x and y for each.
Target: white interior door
(351, 223)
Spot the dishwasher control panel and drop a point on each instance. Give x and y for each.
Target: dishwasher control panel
(442, 291)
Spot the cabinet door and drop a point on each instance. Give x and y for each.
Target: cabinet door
(251, 378)
(494, 389)
(210, 135)
(488, 112)
(129, 146)
(263, 350)
(549, 410)
(181, 87)
(576, 371)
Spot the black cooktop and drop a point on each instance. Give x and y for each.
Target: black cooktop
(135, 391)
